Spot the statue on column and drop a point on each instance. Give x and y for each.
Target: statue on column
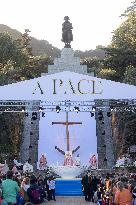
(67, 35)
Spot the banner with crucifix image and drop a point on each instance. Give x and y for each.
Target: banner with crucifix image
(67, 132)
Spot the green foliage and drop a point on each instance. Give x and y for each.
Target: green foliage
(9, 51)
(93, 64)
(18, 63)
(122, 51)
(108, 73)
(98, 53)
(130, 75)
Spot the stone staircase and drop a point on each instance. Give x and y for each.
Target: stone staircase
(68, 187)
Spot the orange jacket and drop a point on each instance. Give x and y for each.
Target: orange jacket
(123, 197)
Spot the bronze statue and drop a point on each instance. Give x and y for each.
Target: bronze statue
(67, 35)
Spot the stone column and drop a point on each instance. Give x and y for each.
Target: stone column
(25, 141)
(108, 136)
(34, 135)
(30, 136)
(101, 148)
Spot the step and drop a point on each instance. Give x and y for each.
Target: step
(69, 187)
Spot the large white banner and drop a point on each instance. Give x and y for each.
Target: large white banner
(67, 85)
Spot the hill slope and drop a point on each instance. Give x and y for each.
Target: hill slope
(41, 47)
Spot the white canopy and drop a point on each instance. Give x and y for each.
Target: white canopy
(67, 85)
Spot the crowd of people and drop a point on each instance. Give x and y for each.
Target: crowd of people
(20, 190)
(115, 189)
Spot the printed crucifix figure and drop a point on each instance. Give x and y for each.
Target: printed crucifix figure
(67, 123)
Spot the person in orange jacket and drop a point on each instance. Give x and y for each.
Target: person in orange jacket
(122, 196)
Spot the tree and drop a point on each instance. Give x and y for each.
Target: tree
(122, 51)
(9, 51)
(130, 76)
(17, 62)
(108, 73)
(93, 64)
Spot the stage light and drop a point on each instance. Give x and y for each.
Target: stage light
(92, 114)
(26, 114)
(43, 114)
(34, 116)
(58, 109)
(40, 109)
(76, 109)
(108, 114)
(93, 108)
(23, 109)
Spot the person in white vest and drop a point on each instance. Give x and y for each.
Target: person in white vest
(27, 168)
(77, 160)
(18, 164)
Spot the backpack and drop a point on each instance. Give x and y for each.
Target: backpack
(36, 196)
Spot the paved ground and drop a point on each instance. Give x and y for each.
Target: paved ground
(68, 201)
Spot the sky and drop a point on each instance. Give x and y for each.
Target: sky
(93, 20)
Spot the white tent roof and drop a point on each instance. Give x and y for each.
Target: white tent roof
(67, 85)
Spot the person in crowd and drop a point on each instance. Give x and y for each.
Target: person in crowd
(34, 192)
(0, 184)
(122, 196)
(98, 195)
(42, 186)
(14, 169)
(51, 183)
(107, 183)
(47, 186)
(85, 184)
(25, 184)
(94, 185)
(0, 193)
(90, 189)
(10, 189)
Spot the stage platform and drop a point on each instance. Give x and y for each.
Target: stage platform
(69, 187)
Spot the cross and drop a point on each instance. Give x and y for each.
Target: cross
(67, 123)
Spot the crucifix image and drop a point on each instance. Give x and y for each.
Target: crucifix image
(67, 123)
